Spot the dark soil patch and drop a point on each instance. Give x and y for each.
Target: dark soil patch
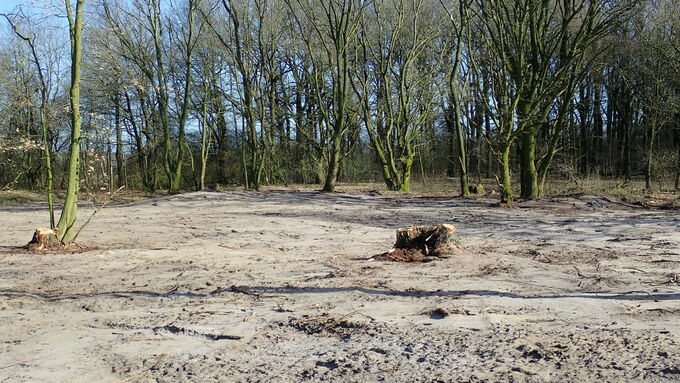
(495, 269)
(53, 249)
(405, 255)
(444, 312)
(330, 325)
(416, 255)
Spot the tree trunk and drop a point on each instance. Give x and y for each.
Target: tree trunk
(221, 138)
(677, 171)
(462, 161)
(176, 179)
(528, 174)
(407, 165)
(48, 159)
(598, 129)
(651, 137)
(334, 163)
(206, 135)
(459, 154)
(506, 181)
(66, 227)
(120, 155)
(162, 93)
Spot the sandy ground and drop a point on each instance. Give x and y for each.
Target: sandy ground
(279, 287)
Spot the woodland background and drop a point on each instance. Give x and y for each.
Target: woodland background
(190, 94)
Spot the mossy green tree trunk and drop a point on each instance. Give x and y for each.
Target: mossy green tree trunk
(66, 227)
(528, 173)
(506, 180)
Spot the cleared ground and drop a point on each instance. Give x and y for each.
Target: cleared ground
(279, 287)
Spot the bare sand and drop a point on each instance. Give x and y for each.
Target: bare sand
(279, 286)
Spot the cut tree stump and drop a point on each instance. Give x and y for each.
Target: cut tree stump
(416, 243)
(44, 239)
(476, 189)
(427, 238)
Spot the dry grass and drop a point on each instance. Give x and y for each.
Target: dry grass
(441, 186)
(448, 187)
(18, 197)
(122, 196)
(629, 191)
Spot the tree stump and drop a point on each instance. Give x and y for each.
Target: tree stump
(420, 244)
(43, 239)
(476, 189)
(429, 239)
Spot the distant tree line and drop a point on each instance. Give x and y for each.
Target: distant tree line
(186, 94)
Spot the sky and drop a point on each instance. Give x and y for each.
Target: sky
(43, 13)
(32, 6)
(8, 5)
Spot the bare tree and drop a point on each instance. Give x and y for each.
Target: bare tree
(44, 94)
(332, 27)
(537, 51)
(394, 78)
